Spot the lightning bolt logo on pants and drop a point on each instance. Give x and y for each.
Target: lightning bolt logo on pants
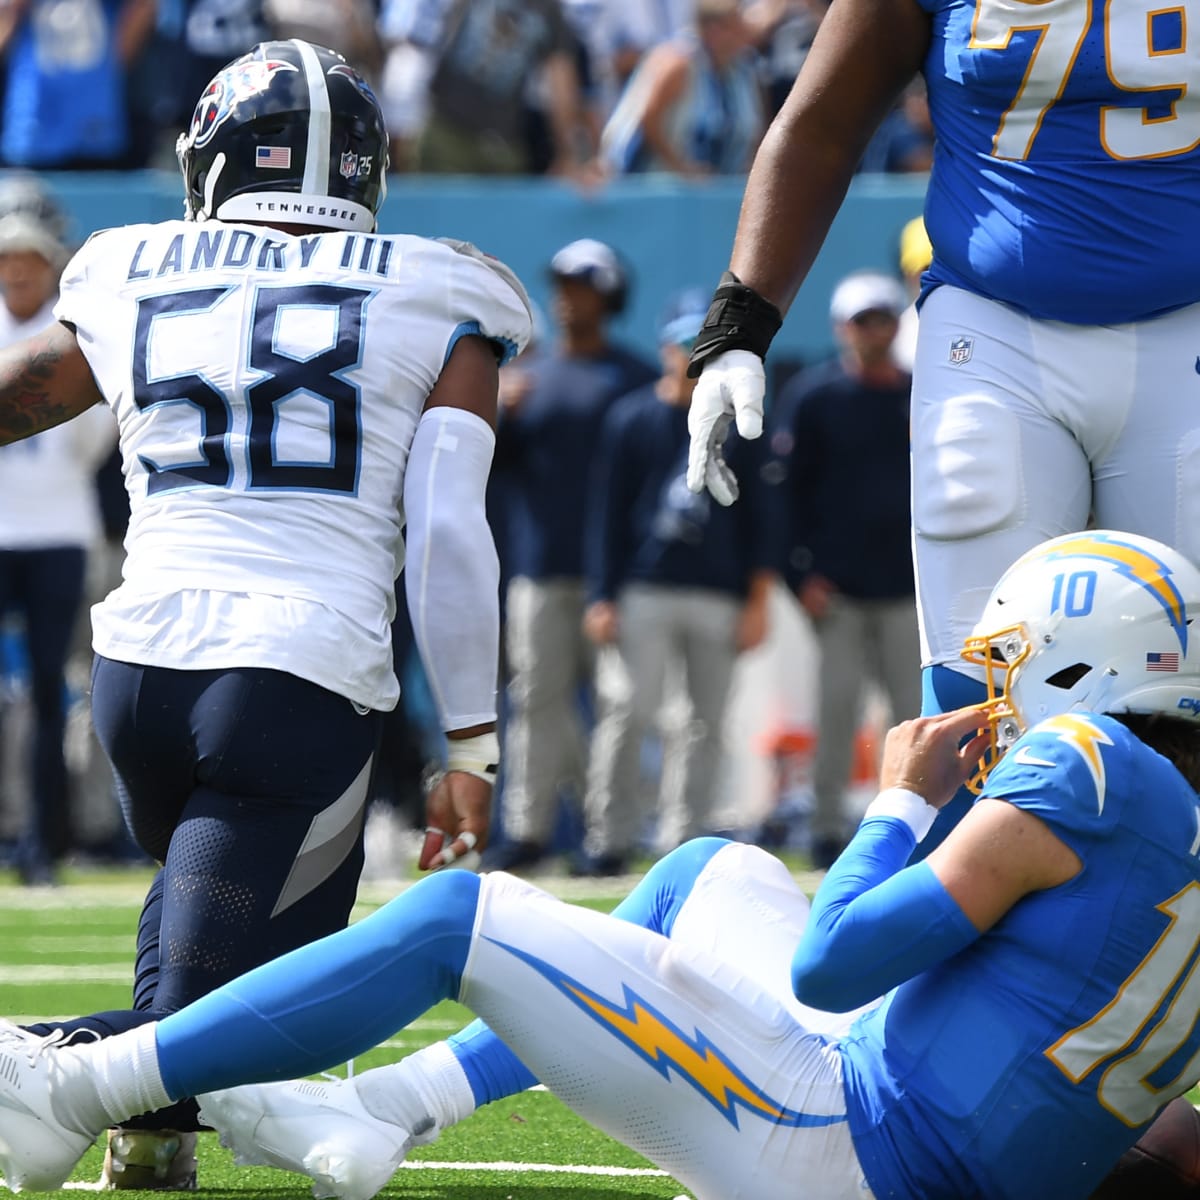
(665, 1047)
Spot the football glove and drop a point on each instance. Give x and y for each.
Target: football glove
(730, 389)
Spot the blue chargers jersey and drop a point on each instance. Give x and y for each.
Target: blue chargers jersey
(1066, 177)
(1023, 1066)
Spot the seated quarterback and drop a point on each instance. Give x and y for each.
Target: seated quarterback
(1003, 1019)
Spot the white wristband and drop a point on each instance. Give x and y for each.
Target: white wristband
(915, 811)
(478, 755)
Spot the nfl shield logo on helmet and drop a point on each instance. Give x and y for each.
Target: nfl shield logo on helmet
(349, 167)
(960, 350)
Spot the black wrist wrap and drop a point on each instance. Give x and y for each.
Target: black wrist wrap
(738, 319)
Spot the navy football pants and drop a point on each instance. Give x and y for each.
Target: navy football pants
(249, 787)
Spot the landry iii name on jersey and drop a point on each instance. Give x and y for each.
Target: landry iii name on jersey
(232, 248)
(267, 388)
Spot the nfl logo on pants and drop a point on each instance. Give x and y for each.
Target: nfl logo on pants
(960, 350)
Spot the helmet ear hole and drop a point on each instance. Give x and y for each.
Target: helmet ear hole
(1068, 677)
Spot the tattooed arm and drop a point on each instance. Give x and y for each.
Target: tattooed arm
(44, 381)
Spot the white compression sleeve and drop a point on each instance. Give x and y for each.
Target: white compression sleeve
(452, 574)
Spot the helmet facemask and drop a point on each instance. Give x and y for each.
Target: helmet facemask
(1091, 622)
(1001, 655)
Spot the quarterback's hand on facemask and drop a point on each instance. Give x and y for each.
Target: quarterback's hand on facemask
(730, 389)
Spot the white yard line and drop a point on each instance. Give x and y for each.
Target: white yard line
(79, 973)
(130, 892)
(542, 1168)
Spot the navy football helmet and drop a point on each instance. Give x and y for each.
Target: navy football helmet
(288, 133)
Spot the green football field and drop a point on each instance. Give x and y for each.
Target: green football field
(69, 950)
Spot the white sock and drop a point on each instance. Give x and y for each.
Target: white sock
(117, 1076)
(425, 1090)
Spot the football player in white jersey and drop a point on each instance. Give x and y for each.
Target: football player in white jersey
(305, 405)
(1054, 382)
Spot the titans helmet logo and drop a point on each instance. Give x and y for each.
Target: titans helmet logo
(356, 79)
(239, 81)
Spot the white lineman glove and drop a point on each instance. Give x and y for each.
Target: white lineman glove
(730, 388)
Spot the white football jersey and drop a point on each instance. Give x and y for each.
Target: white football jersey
(267, 388)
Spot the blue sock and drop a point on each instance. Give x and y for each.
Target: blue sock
(326, 1002)
(943, 690)
(492, 1069)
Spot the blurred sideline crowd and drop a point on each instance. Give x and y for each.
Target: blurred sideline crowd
(628, 601)
(586, 89)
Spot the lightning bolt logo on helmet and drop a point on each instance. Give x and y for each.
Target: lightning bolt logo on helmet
(1089, 622)
(1134, 562)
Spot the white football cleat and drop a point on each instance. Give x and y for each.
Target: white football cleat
(37, 1151)
(318, 1128)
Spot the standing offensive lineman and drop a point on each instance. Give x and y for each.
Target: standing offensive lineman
(297, 397)
(1053, 382)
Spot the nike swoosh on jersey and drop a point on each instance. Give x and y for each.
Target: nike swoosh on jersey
(1026, 758)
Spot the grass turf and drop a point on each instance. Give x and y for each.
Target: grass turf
(69, 950)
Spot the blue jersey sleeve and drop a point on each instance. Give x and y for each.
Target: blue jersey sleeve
(873, 924)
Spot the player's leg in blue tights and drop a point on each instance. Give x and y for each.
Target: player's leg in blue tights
(338, 997)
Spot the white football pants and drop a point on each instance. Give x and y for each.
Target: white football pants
(1025, 429)
(691, 1050)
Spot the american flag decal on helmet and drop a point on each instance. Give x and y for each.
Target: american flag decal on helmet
(278, 158)
(1167, 661)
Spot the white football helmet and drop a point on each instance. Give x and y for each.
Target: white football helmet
(1097, 621)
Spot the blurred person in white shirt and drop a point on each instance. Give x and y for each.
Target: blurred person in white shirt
(49, 520)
